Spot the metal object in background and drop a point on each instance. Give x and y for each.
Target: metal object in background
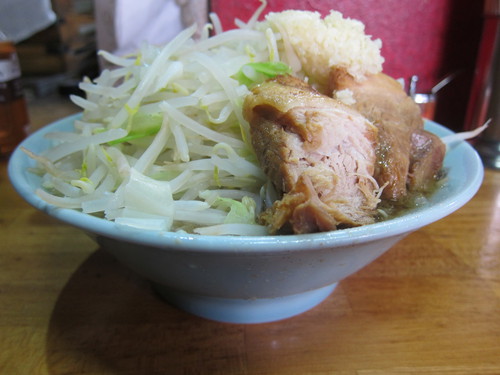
(427, 101)
(484, 103)
(427, 104)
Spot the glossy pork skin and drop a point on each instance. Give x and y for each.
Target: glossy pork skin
(318, 153)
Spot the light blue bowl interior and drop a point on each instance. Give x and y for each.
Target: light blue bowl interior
(465, 174)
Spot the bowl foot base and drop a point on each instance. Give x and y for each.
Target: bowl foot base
(245, 311)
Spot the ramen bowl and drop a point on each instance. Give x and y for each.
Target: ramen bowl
(247, 279)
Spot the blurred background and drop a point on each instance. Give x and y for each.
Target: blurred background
(430, 40)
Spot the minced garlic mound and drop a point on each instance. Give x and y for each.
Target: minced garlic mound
(320, 44)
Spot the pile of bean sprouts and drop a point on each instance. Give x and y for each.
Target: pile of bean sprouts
(162, 144)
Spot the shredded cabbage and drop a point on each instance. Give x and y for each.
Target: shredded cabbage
(162, 143)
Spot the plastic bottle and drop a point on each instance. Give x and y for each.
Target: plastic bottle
(14, 119)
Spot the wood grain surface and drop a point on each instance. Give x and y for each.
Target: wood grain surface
(430, 305)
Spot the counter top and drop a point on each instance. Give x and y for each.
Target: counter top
(430, 305)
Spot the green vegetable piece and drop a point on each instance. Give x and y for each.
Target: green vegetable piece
(239, 212)
(258, 72)
(142, 125)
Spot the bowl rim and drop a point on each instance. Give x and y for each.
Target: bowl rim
(18, 175)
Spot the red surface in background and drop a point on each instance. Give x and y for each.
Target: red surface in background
(428, 38)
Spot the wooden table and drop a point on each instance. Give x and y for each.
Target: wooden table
(430, 305)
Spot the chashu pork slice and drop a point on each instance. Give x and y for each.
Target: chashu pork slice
(318, 153)
(426, 161)
(408, 157)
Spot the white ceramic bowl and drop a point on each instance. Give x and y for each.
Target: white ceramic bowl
(252, 279)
